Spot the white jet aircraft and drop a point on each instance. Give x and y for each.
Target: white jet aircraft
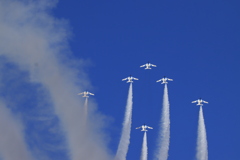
(199, 102)
(148, 65)
(164, 80)
(129, 79)
(85, 94)
(144, 127)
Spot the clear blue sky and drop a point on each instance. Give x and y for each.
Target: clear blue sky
(194, 42)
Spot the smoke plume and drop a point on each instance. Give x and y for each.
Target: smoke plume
(164, 135)
(86, 107)
(202, 147)
(125, 137)
(144, 147)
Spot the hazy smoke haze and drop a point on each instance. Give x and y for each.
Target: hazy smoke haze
(12, 142)
(36, 44)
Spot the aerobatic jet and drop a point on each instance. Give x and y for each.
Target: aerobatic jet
(148, 65)
(144, 127)
(199, 102)
(129, 79)
(85, 94)
(164, 80)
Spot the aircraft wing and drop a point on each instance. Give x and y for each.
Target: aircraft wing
(124, 79)
(139, 127)
(143, 65)
(135, 78)
(80, 93)
(194, 101)
(153, 65)
(170, 79)
(205, 101)
(159, 80)
(149, 127)
(91, 93)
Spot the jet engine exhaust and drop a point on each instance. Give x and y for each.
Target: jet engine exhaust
(164, 134)
(125, 137)
(202, 151)
(144, 147)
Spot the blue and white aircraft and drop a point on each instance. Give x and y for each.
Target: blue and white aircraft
(164, 80)
(199, 102)
(144, 127)
(129, 79)
(148, 65)
(85, 94)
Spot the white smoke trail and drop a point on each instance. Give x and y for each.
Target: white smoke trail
(12, 143)
(86, 107)
(125, 137)
(202, 151)
(86, 111)
(37, 43)
(164, 135)
(144, 147)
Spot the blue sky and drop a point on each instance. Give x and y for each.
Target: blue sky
(194, 43)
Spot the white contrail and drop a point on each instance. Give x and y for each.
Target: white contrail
(202, 147)
(164, 135)
(37, 43)
(12, 143)
(144, 147)
(125, 137)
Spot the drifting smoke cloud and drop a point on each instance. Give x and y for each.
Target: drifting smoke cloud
(36, 42)
(164, 135)
(144, 147)
(12, 143)
(125, 137)
(202, 151)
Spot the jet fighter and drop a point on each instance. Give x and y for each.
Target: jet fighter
(199, 102)
(148, 65)
(129, 79)
(164, 80)
(85, 94)
(144, 127)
